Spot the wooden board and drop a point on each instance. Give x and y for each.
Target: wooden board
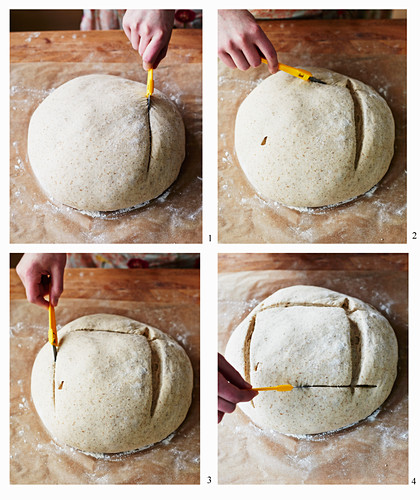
(231, 262)
(40, 62)
(371, 51)
(165, 298)
(375, 451)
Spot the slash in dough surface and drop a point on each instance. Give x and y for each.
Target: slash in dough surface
(90, 146)
(117, 385)
(306, 144)
(303, 336)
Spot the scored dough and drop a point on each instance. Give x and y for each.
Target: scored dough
(89, 143)
(117, 385)
(305, 336)
(306, 144)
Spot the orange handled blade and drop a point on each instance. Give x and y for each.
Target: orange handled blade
(288, 387)
(150, 83)
(303, 74)
(280, 388)
(299, 73)
(52, 330)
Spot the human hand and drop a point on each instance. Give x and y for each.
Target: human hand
(232, 388)
(34, 269)
(242, 42)
(149, 32)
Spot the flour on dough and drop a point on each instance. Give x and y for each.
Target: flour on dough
(90, 146)
(305, 144)
(306, 336)
(118, 385)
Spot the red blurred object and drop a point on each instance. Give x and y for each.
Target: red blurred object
(185, 15)
(136, 263)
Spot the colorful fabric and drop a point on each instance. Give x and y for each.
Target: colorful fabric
(321, 14)
(283, 13)
(102, 19)
(134, 260)
(111, 19)
(185, 18)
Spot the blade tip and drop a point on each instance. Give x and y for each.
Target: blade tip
(316, 80)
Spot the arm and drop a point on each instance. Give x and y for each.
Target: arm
(149, 32)
(242, 42)
(232, 388)
(34, 269)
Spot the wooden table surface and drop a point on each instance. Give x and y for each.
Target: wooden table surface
(372, 51)
(233, 262)
(353, 38)
(100, 46)
(168, 299)
(179, 286)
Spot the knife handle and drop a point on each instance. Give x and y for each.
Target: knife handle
(150, 83)
(52, 330)
(280, 388)
(299, 73)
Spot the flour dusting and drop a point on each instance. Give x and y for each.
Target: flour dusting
(175, 216)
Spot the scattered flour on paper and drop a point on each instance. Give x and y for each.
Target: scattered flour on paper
(117, 457)
(176, 216)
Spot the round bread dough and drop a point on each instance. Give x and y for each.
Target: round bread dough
(307, 336)
(89, 143)
(117, 385)
(306, 144)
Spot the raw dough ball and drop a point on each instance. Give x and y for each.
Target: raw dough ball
(307, 144)
(306, 335)
(89, 143)
(118, 385)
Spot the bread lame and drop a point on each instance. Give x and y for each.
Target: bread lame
(150, 87)
(288, 387)
(149, 92)
(298, 73)
(52, 330)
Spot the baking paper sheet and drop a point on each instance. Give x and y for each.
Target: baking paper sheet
(375, 451)
(376, 217)
(174, 217)
(37, 459)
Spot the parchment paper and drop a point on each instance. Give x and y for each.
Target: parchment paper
(377, 217)
(174, 217)
(371, 452)
(37, 459)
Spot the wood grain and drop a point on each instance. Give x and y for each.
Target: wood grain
(230, 262)
(358, 37)
(99, 46)
(171, 285)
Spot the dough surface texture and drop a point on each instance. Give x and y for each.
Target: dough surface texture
(306, 144)
(118, 385)
(89, 143)
(306, 336)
